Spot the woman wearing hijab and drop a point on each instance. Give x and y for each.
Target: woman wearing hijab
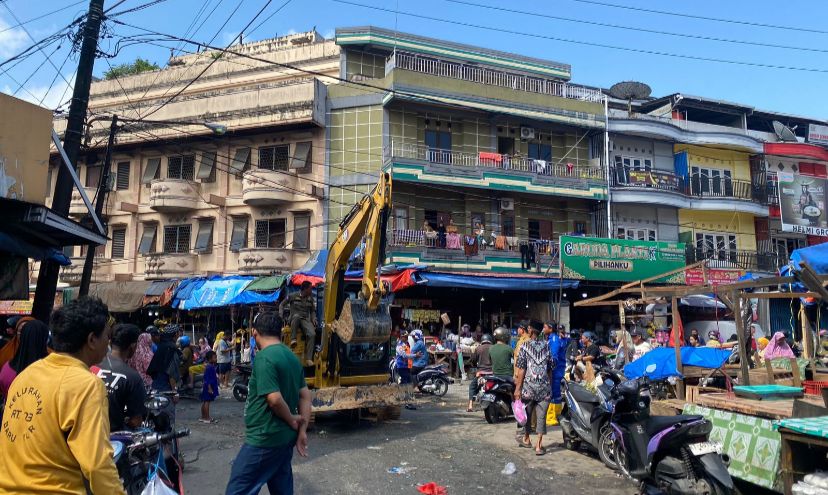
(778, 347)
(10, 349)
(141, 359)
(33, 339)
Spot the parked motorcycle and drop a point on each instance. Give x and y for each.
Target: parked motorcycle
(241, 381)
(137, 452)
(670, 454)
(434, 380)
(586, 417)
(495, 397)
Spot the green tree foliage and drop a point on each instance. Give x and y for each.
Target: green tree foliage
(140, 65)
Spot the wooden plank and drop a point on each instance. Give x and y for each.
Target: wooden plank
(797, 378)
(807, 335)
(778, 295)
(740, 335)
(636, 286)
(769, 409)
(771, 375)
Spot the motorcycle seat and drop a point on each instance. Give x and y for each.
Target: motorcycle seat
(496, 378)
(655, 424)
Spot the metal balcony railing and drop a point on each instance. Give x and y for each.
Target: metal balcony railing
(488, 160)
(697, 186)
(456, 241)
(490, 77)
(736, 258)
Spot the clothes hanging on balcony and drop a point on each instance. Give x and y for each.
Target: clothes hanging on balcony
(488, 158)
(471, 246)
(501, 243)
(540, 166)
(453, 241)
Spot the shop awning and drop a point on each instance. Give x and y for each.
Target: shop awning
(185, 289)
(121, 297)
(215, 292)
(160, 292)
(253, 297)
(495, 282)
(266, 284)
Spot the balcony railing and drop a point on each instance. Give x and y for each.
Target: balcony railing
(697, 186)
(457, 242)
(490, 77)
(736, 258)
(492, 161)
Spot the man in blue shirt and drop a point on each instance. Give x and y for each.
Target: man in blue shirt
(420, 353)
(558, 343)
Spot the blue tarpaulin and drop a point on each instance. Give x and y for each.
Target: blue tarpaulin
(315, 266)
(185, 289)
(431, 279)
(660, 363)
(253, 297)
(215, 292)
(815, 256)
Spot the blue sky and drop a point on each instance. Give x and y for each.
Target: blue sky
(792, 91)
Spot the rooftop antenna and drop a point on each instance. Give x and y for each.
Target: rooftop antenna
(630, 90)
(784, 133)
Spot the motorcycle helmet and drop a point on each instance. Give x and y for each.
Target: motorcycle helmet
(185, 341)
(502, 334)
(487, 339)
(417, 334)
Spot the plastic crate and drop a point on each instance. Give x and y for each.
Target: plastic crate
(813, 387)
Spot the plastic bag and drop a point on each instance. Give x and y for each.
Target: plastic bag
(519, 410)
(157, 487)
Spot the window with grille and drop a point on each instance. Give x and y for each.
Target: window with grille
(122, 176)
(118, 243)
(181, 167)
(93, 175)
(301, 231)
(207, 167)
(147, 244)
(274, 157)
(177, 238)
(204, 241)
(270, 233)
(238, 239)
(636, 234)
(241, 161)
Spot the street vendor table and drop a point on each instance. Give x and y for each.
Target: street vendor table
(804, 447)
(439, 357)
(768, 409)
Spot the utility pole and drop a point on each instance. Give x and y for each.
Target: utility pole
(103, 189)
(49, 270)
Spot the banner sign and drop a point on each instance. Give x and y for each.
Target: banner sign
(715, 276)
(651, 178)
(802, 204)
(586, 258)
(818, 134)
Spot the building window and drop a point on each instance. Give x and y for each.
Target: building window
(181, 167)
(580, 228)
(716, 246)
(177, 238)
(147, 244)
(711, 181)
(270, 233)
(204, 241)
(93, 175)
(207, 167)
(301, 159)
(118, 243)
(100, 251)
(636, 234)
(538, 151)
(152, 171)
(508, 226)
(122, 176)
(301, 231)
(400, 218)
(439, 146)
(274, 157)
(534, 229)
(238, 239)
(241, 161)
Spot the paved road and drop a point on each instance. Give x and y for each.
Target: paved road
(438, 442)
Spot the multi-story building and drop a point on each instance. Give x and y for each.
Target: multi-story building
(484, 147)
(187, 202)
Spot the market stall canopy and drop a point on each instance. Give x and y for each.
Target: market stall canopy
(489, 281)
(121, 297)
(160, 292)
(313, 270)
(702, 301)
(660, 363)
(185, 289)
(215, 292)
(815, 256)
(267, 284)
(254, 297)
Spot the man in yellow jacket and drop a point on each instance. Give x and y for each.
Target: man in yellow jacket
(55, 436)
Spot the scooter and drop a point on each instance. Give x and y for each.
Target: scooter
(241, 381)
(434, 380)
(669, 454)
(136, 453)
(586, 418)
(495, 397)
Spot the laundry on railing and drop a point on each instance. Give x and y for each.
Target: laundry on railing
(540, 166)
(409, 237)
(453, 241)
(488, 158)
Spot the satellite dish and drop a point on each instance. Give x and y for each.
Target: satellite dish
(630, 90)
(784, 133)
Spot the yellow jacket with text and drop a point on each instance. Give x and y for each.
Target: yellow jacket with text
(55, 431)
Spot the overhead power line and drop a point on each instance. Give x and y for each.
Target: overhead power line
(704, 18)
(47, 14)
(639, 29)
(491, 29)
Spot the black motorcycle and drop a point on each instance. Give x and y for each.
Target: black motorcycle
(586, 418)
(434, 380)
(670, 454)
(241, 381)
(495, 397)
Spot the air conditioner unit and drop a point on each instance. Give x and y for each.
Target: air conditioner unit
(507, 204)
(527, 133)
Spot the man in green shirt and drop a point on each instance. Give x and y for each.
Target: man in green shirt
(276, 415)
(501, 354)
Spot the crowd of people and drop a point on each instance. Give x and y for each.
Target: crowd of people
(67, 385)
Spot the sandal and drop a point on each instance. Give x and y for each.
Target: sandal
(525, 445)
(542, 451)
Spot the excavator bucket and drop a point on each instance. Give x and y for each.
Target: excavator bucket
(359, 325)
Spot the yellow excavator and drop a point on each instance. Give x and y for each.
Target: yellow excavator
(351, 370)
